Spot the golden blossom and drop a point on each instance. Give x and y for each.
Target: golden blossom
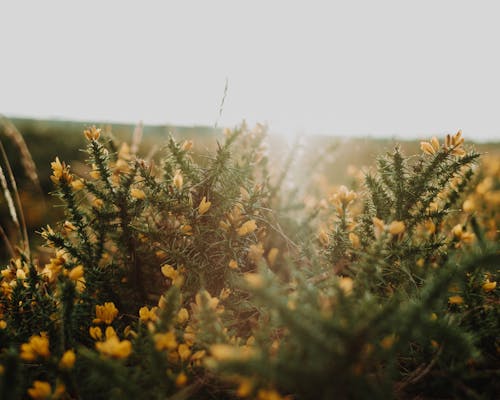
(114, 347)
(37, 346)
(247, 228)
(40, 390)
(204, 206)
(105, 313)
(92, 133)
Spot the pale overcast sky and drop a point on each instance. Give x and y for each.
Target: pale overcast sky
(405, 68)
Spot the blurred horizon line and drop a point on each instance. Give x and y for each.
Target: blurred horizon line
(157, 124)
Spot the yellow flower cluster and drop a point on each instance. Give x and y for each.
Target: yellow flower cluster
(204, 206)
(67, 360)
(146, 314)
(60, 172)
(453, 144)
(343, 196)
(92, 133)
(37, 347)
(41, 390)
(175, 275)
(395, 228)
(247, 228)
(113, 347)
(105, 313)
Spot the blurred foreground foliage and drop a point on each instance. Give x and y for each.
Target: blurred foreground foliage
(242, 273)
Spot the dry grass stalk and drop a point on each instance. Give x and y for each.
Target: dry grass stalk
(21, 222)
(8, 245)
(26, 160)
(137, 138)
(8, 198)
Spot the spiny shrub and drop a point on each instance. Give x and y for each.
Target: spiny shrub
(175, 278)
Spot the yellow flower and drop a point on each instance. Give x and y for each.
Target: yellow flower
(173, 274)
(77, 184)
(181, 380)
(427, 148)
(244, 388)
(255, 252)
(165, 341)
(40, 390)
(204, 206)
(37, 346)
(224, 225)
(3, 324)
(92, 133)
(269, 394)
(198, 355)
(146, 314)
(455, 299)
(463, 236)
(489, 286)
(323, 238)
(184, 351)
(114, 348)
(457, 139)
(272, 255)
(57, 170)
(254, 280)
(244, 194)
(378, 226)
(105, 313)
(60, 172)
(224, 293)
(168, 271)
(457, 231)
(137, 194)
(178, 180)
(20, 274)
(80, 285)
(76, 273)
(69, 226)
(98, 203)
(397, 227)
(343, 196)
(435, 143)
(187, 145)
(354, 239)
(204, 297)
(110, 332)
(226, 352)
(454, 143)
(468, 205)
(187, 230)
(95, 332)
(247, 228)
(346, 284)
(233, 264)
(95, 174)
(162, 302)
(182, 315)
(430, 226)
(189, 335)
(388, 341)
(67, 360)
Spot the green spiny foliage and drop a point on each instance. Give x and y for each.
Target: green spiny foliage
(202, 277)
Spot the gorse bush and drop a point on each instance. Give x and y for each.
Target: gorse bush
(205, 277)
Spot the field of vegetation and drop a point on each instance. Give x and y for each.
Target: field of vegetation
(232, 264)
